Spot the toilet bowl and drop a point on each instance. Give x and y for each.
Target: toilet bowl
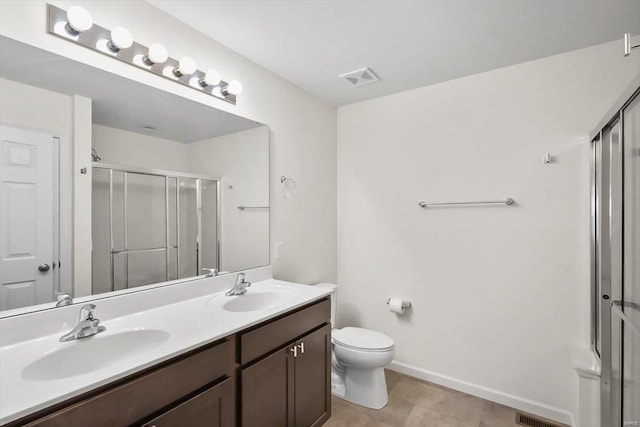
(358, 359)
(360, 356)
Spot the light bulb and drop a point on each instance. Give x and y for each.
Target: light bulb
(234, 88)
(211, 78)
(78, 20)
(121, 38)
(157, 54)
(186, 67)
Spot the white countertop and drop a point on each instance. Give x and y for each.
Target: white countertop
(190, 323)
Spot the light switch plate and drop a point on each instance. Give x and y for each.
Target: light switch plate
(279, 250)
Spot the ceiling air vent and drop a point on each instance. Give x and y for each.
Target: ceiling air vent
(361, 77)
(533, 421)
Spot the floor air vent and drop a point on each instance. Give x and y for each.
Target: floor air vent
(533, 421)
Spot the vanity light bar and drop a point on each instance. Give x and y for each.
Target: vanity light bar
(77, 26)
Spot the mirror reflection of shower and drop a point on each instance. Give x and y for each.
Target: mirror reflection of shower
(151, 226)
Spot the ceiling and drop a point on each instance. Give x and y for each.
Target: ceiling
(118, 102)
(408, 44)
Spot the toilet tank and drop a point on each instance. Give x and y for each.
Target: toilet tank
(334, 299)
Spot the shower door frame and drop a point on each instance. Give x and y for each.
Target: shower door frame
(609, 347)
(111, 167)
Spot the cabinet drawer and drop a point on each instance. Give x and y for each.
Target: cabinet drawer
(277, 333)
(136, 399)
(211, 408)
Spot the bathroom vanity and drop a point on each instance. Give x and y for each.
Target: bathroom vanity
(176, 351)
(272, 369)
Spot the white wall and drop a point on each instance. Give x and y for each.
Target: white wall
(81, 154)
(35, 108)
(122, 147)
(498, 292)
(303, 129)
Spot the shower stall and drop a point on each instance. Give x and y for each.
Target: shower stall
(615, 251)
(151, 226)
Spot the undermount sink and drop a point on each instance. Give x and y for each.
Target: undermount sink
(255, 300)
(91, 354)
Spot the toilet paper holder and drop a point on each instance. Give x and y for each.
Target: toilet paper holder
(405, 304)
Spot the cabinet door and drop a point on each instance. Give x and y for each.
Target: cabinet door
(312, 397)
(211, 408)
(267, 391)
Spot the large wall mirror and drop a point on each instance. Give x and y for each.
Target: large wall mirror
(175, 186)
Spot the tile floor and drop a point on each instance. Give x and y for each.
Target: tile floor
(416, 403)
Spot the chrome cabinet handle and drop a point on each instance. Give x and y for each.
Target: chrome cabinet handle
(43, 268)
(294, 350)
(301, 345)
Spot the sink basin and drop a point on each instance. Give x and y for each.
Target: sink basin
(91, 354)
(255, 300)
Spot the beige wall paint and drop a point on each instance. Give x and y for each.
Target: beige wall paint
(498, 292)
(303, 129)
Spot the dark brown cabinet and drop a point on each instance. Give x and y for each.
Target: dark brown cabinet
(281, 366)
(211, 408)
(265, 389)
(154, 391)
(292, 386)
(312, 379)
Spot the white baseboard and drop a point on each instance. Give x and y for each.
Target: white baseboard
(519, 403)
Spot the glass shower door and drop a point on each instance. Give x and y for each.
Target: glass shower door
(188, 227)
(608, 231)
(150, 228)
(628, 308)
(209, 232)
(616, 263)
(145, 235)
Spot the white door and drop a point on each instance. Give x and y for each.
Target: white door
(26, 217)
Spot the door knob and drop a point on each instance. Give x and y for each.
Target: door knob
(44, 267)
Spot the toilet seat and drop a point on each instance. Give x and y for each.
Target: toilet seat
(361, 339)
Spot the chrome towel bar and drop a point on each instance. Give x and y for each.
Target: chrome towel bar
(509, 201)
(251, 208)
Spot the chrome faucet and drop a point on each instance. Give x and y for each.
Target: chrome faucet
(87, 325)
(210, 271)
(63, 299)
(240, 287)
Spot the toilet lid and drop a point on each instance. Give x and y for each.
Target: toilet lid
(361, 338)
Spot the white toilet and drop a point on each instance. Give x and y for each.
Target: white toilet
(358, 360)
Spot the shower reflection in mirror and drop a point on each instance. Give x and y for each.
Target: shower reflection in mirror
(151, 226)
